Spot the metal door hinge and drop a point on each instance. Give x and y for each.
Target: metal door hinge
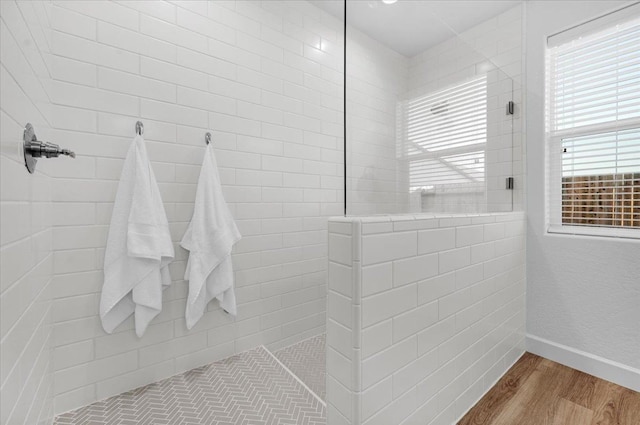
(510, 107)
(509, 183)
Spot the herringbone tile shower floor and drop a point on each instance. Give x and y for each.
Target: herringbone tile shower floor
(251, 388)
(306, 360)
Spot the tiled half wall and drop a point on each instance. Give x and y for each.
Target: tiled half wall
(424, 315)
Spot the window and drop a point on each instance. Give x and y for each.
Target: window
(446, 134)
(593, 126)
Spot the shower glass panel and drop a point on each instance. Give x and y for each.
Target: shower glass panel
(429, 123)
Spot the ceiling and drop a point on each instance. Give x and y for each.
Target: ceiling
(412, 26)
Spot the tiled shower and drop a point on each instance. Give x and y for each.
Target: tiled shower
(83, 73)
(366, 293)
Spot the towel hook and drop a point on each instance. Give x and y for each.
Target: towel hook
(207, 138)
(139, 128)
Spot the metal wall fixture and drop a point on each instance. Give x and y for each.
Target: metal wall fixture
(509, 183)
(34, 148)
(207, 138)
(510, 107)
(139, 128)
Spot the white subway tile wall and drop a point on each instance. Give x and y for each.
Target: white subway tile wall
(26, 259)
(266, 79)
(418, 339)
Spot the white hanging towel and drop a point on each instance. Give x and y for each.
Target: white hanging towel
(209, 240)
(139, 247)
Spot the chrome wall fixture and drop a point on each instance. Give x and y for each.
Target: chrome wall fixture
(34, 148)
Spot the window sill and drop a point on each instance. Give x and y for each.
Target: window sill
(610, 232)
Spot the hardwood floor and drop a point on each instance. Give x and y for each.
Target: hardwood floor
(537, 391)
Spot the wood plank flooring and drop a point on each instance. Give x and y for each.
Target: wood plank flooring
(537, 391)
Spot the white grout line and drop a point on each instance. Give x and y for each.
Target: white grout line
(295, 376)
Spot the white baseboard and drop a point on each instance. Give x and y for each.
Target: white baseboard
(600, 367)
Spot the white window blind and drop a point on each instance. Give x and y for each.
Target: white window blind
(446, 134)
(594, 128)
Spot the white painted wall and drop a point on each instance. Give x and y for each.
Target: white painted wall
(583, 292)
(26, 260)
(424, 315)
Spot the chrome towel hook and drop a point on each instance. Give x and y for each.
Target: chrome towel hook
(33, 148)
(207, 138)
(139, 128)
